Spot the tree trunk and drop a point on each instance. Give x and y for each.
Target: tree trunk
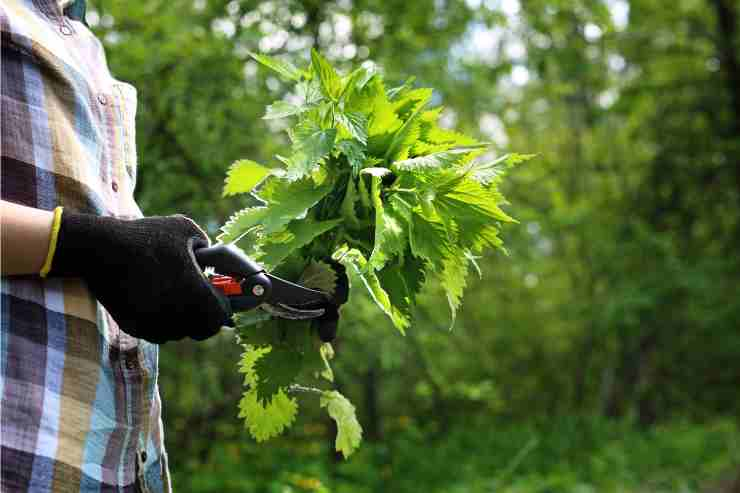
(373, 425)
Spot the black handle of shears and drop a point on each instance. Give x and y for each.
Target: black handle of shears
(243, 281)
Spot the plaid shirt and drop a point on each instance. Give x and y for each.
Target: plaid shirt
(80, 404)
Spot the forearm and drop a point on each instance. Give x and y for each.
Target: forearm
(24, 238)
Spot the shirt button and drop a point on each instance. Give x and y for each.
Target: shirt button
(66, 30)
(143, 455)
(102, 99)
(114, 186)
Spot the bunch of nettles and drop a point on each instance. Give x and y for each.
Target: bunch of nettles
(373, 182)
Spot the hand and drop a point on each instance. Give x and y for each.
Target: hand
(327, 324)
(144, 273)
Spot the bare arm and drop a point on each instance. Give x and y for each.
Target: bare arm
(24, 238)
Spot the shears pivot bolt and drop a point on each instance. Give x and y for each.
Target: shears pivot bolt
(258, 290)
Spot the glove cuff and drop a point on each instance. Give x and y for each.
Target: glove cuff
(53, 240)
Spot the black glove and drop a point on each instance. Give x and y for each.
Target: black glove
(328, 322)
(144, 273)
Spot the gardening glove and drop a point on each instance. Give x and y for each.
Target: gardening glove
(328, 322)
(143, 272)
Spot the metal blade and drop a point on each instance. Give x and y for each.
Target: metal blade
(290, 313)
(287, 293)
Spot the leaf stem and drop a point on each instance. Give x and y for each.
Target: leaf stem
(295, 389)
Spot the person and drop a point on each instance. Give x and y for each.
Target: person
(90, 287)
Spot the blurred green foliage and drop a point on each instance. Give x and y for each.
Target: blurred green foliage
(603, 354)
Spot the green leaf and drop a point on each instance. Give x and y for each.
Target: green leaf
(311, 144)
(513, 159)
(489, 172)
(453, 281)
(265, 420)
(383, 117)
(286, 69)
(286, 200)
(327, 354)
(355, 153)
(331, 83)
(309, 92)
(429, 239)
(390, 233)
(402, 282)
(256, 335)
(319, 275)
(243, 321)
(441, 159)
(282, 109)
(402, 89)
(349, 214)
(355, 259)
(247, 363)
(437, 135)
(276, 369)
(407, 134)
(349, 431)
(243, 176)
(355, 124)
(297, 234)
(462, 197)
(363, 193)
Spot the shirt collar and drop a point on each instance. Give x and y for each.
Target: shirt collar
(74, 9)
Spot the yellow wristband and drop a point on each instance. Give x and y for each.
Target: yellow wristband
(55, 225)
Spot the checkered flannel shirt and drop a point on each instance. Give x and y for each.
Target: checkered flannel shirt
(80, 405)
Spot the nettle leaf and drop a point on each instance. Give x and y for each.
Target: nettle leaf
(256, 335)
(348, 210)
(355, 124)
(349, 431)
(407, 134)
(266, 420)
(429, 239)
(437, 135)
(309, 92)
(276, 370)
(354, 82)
(311, 144)
(390, 231)
(402, 282)
(441, 159)
(286, 201)
(453, 281)
(243, 176)
(383, 118)
(319, 275)
(355, 259)
(297, 234)
(282, 109)
(355, 154)
(331, 83)
(286, 69)
(462, 197)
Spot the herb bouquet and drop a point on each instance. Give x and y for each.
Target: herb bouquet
(374, 183)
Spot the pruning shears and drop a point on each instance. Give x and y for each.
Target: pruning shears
(246, 285)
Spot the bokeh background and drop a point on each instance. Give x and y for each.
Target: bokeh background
(603, 354)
